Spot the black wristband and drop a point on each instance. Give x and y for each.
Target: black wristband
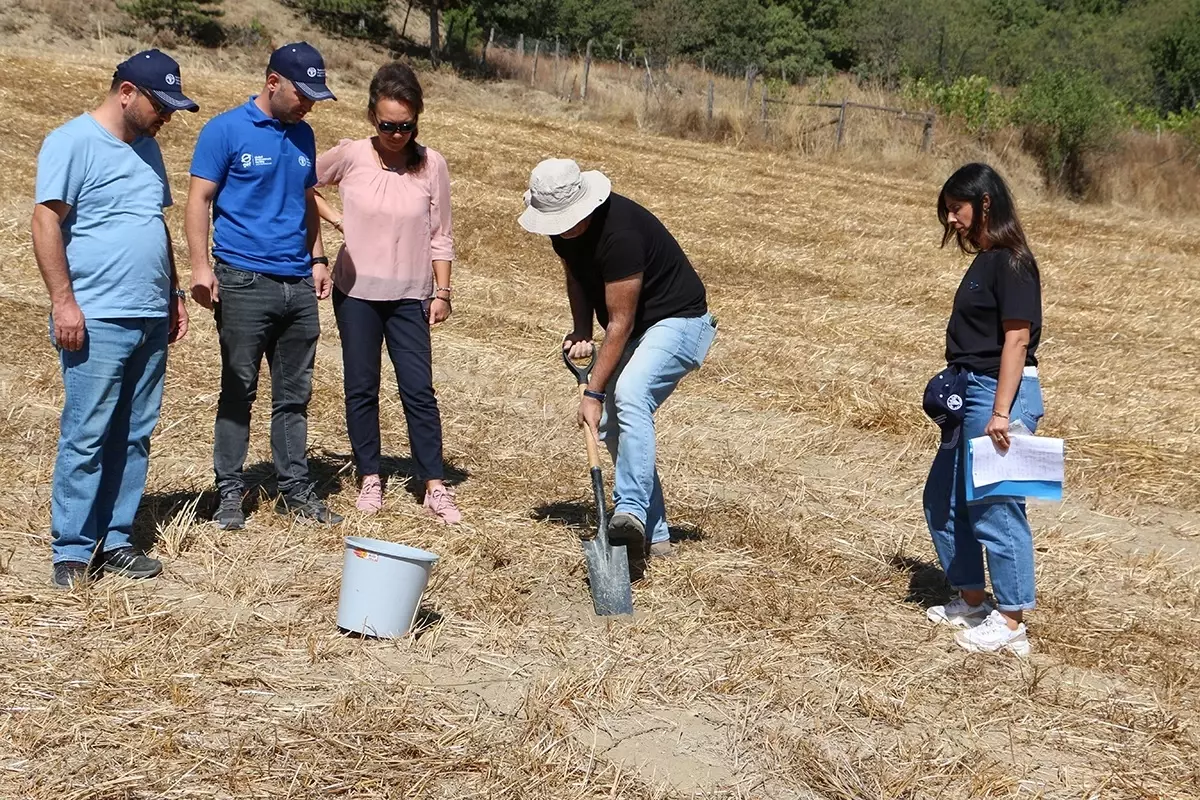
(594, 395)
(320, 260)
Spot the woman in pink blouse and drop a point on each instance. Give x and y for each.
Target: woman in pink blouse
(391, 279)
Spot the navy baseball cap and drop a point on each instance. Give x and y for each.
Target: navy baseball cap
(301, 64)
(157, 74)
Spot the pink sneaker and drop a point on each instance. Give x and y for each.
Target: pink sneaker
(370, 497)
(440, 503)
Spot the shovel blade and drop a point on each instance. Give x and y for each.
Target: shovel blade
(608, 574)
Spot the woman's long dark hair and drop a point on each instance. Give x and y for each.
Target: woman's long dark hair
(998, 224)
(395, 81)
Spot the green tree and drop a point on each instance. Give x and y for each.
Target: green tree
(672, 27)
(362, 19)
(1175, 63)
(604, 21)
(535, 18)
(1068, 115)
(195, 19)
(463, 31)
(788, 45)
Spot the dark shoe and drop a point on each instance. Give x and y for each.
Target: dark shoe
(69, 574)
(625, 529)
(306, 505)
(229, 514)
(129, 563)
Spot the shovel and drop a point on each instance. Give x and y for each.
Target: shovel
(607, 566)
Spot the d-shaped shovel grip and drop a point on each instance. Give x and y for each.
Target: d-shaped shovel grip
(583, 371)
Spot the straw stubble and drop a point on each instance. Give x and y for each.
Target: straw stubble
(783, 654)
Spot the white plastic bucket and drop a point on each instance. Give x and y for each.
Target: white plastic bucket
(382, 585)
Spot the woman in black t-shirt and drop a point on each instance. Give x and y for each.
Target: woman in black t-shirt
(992, 336)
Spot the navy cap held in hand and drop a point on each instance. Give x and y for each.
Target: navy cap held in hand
(301, 64)
(157, 74)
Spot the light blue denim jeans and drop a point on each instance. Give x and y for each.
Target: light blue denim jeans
(650, 369)
(113, 387)
(963, 531)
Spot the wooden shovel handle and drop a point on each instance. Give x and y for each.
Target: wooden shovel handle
(593, 449)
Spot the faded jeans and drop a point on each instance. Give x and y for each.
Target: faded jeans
(962, 532)
(649, 370)
(113, 387)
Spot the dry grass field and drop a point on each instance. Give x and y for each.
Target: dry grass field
(783, 654)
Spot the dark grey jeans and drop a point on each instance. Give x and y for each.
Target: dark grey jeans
(264, 314)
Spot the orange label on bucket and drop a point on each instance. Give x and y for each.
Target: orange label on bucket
(367, 555)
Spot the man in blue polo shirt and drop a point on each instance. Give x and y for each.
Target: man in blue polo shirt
(104, 251)
(253, 166)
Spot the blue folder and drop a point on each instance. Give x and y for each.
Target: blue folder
(1037, 490)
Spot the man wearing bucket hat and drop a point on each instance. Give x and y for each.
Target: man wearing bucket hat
(104, 250)
(626, 269)
(254, 167)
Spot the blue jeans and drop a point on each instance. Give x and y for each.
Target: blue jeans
(650, 369)
(113, 387)
(963, 531)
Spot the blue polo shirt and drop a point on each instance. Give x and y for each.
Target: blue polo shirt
(263, 170)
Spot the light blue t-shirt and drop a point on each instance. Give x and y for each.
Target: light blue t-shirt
(115, 236)
(263, 170)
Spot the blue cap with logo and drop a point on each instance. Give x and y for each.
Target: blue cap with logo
(157, 74)
(301, 64)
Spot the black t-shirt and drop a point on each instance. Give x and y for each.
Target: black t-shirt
(991, 293)
(622, 240)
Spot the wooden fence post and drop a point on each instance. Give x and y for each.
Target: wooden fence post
(764, 108)
(711, 88)
(587, 67)
(751, 74)
(927, 134)
(521, 46)
(841, 128)
(620, 49)
(487, 48)
(537, 47)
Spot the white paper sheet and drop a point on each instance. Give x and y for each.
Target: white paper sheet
(1029, 458)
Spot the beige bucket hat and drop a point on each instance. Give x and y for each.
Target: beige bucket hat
(560, 196)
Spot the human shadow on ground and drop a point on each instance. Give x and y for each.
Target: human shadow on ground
(423, 623)
(927, 583)
(330, 473)
(581, 517)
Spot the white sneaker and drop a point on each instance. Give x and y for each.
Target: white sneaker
(994, 636)
(959, 614)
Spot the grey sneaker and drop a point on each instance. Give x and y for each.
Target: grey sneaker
(230, 516)
(69, 574)
(664, 549)
(129, 563)
(624, 529)
(306, 505)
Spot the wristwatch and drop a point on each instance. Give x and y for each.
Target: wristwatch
(180, 293)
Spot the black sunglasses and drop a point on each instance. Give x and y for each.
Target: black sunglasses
(158, 107)
(397, 127)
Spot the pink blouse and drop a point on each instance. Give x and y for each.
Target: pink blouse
(395, 224)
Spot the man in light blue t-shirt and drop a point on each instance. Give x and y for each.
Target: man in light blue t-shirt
(104, 251)
(253, 173)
